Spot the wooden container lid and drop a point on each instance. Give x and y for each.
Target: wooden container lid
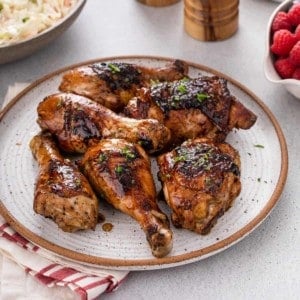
(207, 20)
(158, 2)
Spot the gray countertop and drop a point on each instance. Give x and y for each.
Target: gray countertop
(264, 265)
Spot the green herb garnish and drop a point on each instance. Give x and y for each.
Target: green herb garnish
(154, 81)
(128, 153)
(201, 97)
(176, 98)
(102, 157)
(180, 158)
(119, 169)
(182, 89)
(24, 20)
(1, 6)
(259, 146)
(185, 79)
(77, 182)
(114, 68)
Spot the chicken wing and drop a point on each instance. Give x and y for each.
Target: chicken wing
(200, 180)
(120, 172)
(114, 84)
(61, 191)
(190, 108)
(79, 122)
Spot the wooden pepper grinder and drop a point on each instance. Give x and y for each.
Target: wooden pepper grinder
(158, 2)
(211, 20)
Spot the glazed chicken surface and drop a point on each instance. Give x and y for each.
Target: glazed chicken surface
(62, 193)
(190, 108)
(114, 84)
(200, 179)
(78, 122)
(120, 172)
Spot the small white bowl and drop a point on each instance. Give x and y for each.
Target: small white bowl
(292, 85)
(12, 52)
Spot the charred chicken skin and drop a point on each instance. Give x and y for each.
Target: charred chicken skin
(200, 180)
(120, 172)
(114, 84)
(78, 122)
(190, 108)
(61, 191)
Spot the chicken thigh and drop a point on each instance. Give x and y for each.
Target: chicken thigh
(120, 172)
(78, 122)
(200, 180)
(190, 108)
(114, 84)
(61, 191)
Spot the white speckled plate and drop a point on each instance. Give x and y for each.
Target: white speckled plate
(264, 172)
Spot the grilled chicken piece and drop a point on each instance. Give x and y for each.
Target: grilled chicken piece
(79, 122)
(61, 191)
(190, 108)
(120, 172)
(114, 84)
(200, 180)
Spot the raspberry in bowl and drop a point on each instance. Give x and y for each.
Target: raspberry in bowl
(282, 61)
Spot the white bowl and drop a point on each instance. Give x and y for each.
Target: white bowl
(12, 52)
(292, 85)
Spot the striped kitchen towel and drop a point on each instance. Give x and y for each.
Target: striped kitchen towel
(86, 281)
(20, 260)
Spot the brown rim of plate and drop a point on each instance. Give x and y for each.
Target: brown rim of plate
(168, 260)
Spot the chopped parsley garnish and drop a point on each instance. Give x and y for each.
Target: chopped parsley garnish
(77, 182)
(1, 6)
(259, 146)
(119, 169)
(185, 79)
(128, 153)
(102, 157)
(24, 20)
(182, 89)
(180, 158)
(259, 179)
(154, 81)
(114, 68)
(201, 97)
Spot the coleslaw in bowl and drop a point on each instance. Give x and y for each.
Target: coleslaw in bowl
(28, 25)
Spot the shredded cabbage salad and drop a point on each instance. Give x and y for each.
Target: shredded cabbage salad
(22, 19)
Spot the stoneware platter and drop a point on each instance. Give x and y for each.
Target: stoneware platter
(264, 163)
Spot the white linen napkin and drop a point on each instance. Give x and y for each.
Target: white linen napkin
(31, 272)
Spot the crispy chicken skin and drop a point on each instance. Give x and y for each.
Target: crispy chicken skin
(78, 122)
(120, 172)
(200, 180)
(190, 108)
(61, 191)
(114, 84)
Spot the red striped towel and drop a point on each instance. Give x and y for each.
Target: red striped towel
(86, 281)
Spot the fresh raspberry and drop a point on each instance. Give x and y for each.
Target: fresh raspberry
(283, 42)
(297, 32)
(284, 67)
(294, 14)
(281, 21)
(295, 54)
(296, 74)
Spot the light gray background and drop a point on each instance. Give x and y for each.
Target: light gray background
(265, 265)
